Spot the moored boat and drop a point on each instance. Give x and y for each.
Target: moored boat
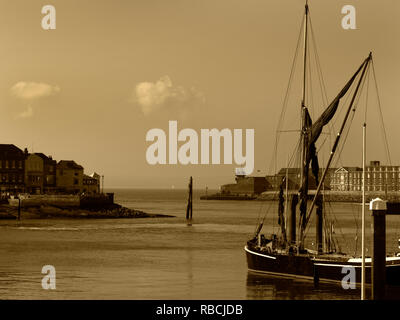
(285, 254)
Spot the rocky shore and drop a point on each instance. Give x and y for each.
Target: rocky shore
(114, 211)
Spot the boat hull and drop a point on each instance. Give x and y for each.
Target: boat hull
(324, 269)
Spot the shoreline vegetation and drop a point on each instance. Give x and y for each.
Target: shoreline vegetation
(113, 211)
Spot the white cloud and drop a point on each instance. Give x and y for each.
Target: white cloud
(33, 90)
(152, 96)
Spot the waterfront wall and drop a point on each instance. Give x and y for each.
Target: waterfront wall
(63, 201)
(97, 200)
(47, 200)
(340, 196)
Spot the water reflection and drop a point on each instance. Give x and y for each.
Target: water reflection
(276, 288)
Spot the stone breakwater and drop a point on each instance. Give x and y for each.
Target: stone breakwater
(114, 211)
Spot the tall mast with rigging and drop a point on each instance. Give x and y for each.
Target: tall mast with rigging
(303, 170)
(303, 99)
(334, 103)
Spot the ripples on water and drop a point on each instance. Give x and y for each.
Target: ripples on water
(159, 258)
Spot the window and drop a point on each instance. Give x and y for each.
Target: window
(75, 181)
(6, 164)
(13, 164)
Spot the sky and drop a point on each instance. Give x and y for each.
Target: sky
(91, 89)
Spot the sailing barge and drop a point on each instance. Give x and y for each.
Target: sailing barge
(285, 254)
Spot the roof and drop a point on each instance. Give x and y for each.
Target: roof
(297, 170)
(69, 164)
(44, 157)
(85, 176)
(95, 175)
(348, 169)
(10, 148)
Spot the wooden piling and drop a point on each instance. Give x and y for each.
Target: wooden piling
(379, 208)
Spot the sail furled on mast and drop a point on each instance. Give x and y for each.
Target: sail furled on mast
(311, 133)
(330, 111)
(281, 210)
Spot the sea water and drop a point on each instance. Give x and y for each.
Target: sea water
(163, 258)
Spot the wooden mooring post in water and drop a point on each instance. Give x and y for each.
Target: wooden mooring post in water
(19, 208)
(380, 209)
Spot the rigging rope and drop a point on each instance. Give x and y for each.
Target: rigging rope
(285, 103)
(381, 115)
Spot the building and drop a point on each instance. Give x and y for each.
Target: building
(245, 186)
(377, 178)
(49, 173)
(91, 184)
(12, 169)
(36, 173)
(69, 177)
(293, 175)
(33, 174)
(98, 177)
(346, 179)
(381, 178)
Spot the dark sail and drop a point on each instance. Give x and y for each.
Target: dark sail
(327, 115)
(281, 209)
(281, 206)
(311, 133)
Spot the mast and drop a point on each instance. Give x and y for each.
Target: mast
(363, 217)
(302, 129)
(305, 54)
(303, 99)
(287, 192)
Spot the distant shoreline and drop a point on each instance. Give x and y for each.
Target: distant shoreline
(332, 196)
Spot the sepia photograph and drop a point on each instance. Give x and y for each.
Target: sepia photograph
(178, 152)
